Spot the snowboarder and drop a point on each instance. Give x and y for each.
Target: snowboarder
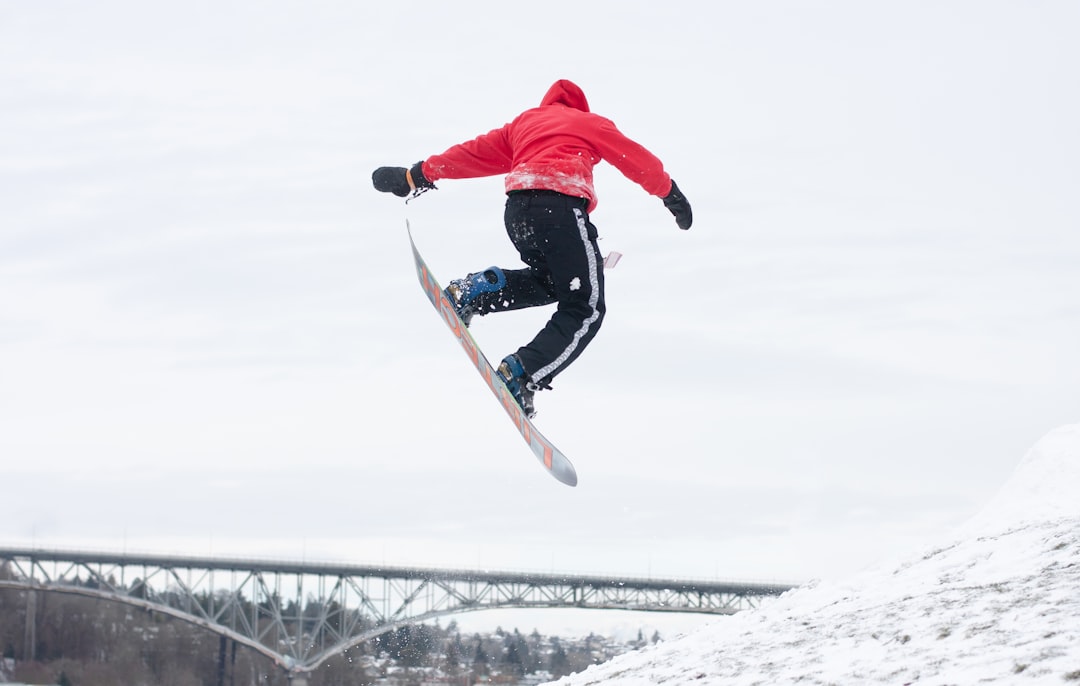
(548, 154)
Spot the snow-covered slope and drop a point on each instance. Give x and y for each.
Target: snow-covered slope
(998, 601)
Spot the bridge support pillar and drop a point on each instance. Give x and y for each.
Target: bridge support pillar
(30, 629)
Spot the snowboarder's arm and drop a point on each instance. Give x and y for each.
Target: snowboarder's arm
(633, 160)
(645, 169)
(485, 155)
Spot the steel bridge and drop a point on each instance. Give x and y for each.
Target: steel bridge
(299, 614)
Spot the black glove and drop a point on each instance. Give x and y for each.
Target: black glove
(396, 180)
(679, 206)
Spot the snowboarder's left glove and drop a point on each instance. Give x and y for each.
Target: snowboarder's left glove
(401, 181)
(679, 206)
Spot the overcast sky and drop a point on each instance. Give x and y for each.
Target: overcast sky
(212, 340)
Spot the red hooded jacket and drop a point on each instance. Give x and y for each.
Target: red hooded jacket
(552, 147)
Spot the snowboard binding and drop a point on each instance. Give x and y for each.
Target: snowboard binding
(464, 292)
(520, 385)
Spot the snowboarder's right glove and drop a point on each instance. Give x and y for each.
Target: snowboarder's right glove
(401, 181)
(679, 206)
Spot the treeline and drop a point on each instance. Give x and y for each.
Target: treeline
(89, 642)
(445, 653)
(83, 641)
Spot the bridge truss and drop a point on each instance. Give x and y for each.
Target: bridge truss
(299, 614)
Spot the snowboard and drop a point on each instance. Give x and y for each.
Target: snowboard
(549, 456)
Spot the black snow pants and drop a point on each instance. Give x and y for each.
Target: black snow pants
(555, 238)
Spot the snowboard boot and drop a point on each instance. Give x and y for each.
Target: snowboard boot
(464, 292)
(518, 383)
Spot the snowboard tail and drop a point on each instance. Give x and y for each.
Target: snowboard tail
(549, 456)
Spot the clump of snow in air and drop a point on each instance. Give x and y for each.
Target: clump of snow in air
(997, 601)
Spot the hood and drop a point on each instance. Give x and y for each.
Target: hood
(564, 92)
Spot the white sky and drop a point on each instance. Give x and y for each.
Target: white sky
(212, 341)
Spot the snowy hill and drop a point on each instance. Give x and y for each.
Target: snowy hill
(998, 601)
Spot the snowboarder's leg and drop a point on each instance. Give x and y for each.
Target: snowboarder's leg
(555, 237)
(498, 290)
